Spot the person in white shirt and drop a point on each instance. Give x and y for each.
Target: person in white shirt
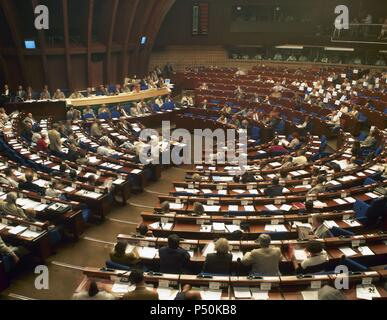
(299, 159)
(104, 150)
(93, 293)
(316, 260)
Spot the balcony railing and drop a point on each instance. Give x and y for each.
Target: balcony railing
(361, 33)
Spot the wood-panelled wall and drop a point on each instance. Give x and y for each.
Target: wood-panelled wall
(89, 42)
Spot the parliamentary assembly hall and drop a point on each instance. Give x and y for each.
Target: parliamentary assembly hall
(219, 150)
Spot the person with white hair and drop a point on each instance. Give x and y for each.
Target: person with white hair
(265, 260)
(220, 261)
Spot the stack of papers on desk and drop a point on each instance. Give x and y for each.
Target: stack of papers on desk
(17, 230)
(340, 201)
(206, 191)
(147, 252)
(239, 191)
(136, 171)
(88, 194)
(233, 208)
(330, 224)
(275, 228)
(41, 183)
(218, 226)
(232, 227)
(242, 292)
(310, 295)
(271, 207)
(259, 294)
(318, 204)
(347, 251)
(352, 223)
(249, 208)
(211, 208)
(31, 234)
(285, 207)
(118, 181)
(208, 294)
(253, 191)
(365, 251)
(222, 192)
(367, 292)
(300, 254)
(119, 287)
(350, 200)
(372, 195)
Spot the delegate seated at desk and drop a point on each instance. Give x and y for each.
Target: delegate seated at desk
(315, 262)
(220, 261)
(265, 260)
(173, 259)
(274, 190)
(141, 292)
(119, 255)
(10, 207)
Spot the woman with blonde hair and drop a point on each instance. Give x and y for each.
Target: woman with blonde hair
(220, 261)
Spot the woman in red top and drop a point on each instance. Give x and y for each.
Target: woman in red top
(41, 143)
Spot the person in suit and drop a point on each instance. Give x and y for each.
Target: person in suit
(30, 186)
(141, 292)
(55, 139)
(119, 255)
(20, 94)
(6, 94)
(27, 133)
(72, 153)
(265, 260)
(10, 207)
(93, 293)
(220, 261)
(29, 119)
(275, 189)
(173, 259)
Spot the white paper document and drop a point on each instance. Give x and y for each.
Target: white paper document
(242, 293)
(347, 251)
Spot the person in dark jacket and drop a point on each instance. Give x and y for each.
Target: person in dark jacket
(275, 189)
(30, 186)
(220, 261)
(173, 259)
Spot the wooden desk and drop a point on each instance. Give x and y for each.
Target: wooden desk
(116, 99)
